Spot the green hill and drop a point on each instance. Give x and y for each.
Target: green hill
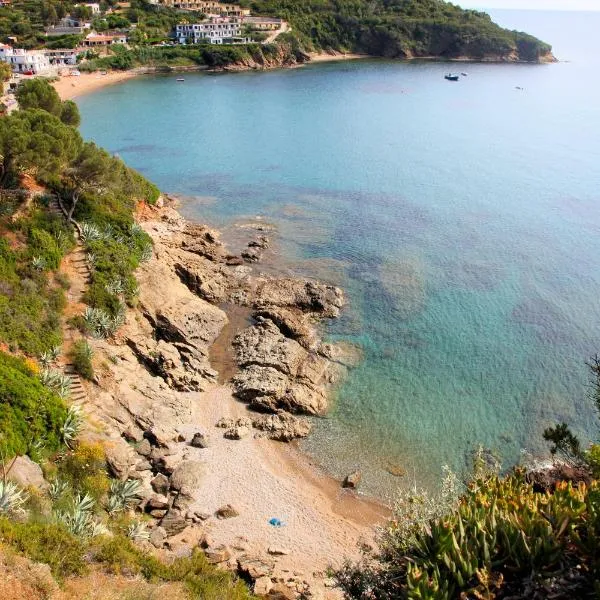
(402, 29)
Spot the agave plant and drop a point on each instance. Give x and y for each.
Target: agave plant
(56, 381)
(138, 532)
(83, 503)
(146, 254)
(12, 498)
(90, 233)
(122, 494)
(135, 229)
(72, 425)
(57, 489)
(46, 359)
(90, 259)
(38, 263)
(97, 321)
(115, 287)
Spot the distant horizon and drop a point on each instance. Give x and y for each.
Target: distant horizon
(567, 5)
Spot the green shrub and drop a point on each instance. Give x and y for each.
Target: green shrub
(81, 358)
(48, 543)
(503, 539)
(119, 555)
(29, 412)
(84, 470)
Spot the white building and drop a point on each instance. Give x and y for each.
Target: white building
(93, 6)
(61, 57)
(95, 39)
(215, 30)
(25, 61)
(263, 23)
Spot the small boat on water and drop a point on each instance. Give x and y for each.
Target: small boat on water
(180, 79)
(451, 77)
(464, 74)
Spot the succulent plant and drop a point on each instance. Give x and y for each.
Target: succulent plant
(72, 425)
(138, 532)
(122, 494)
(12, 498)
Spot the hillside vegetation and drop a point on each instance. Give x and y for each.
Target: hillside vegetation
(79, 521)
(387, 28)
(401, 28)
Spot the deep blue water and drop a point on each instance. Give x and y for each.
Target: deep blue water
(462, 219)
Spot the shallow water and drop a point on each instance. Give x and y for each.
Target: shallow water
(462, 220)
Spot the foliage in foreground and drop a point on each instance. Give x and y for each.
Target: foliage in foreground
(81, 358)
(29, 412)
(502, 540)
(526, 535)
(68, 555)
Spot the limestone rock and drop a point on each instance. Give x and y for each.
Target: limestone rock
(263, 344)
(160, 484)
(262, 586)
(305, 295)
(199, 440)
(157, 502)
(173, 522)
(352, 480)
(120, 458)
(262, 242)
(251, 255)
(254, 567)
(228, 423)
(158, 537)
(226, 512)
(182, 367)
(292, 324)
(217, 554)
(187, 476)
(278, 551)
(281, 591)
(257, 381)
(160, 436)
(144, 448)
(24, 472)
(282, 426)
(236, 433)
(202, 278)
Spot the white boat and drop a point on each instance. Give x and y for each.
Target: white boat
(180, 79)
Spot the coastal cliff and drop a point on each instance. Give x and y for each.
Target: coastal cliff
(176, 427)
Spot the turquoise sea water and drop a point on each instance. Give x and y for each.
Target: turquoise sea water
(462, 220)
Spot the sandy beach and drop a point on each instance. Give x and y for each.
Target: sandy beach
(317, 57)
(69, 87)
(321, 523)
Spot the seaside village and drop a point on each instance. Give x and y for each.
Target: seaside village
(213, 23)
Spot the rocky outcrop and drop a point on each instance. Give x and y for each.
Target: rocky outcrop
(23, 471)
(299, 294)
(282, 427)
(276, 372)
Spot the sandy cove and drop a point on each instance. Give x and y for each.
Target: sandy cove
(69, 86)
(214, 473)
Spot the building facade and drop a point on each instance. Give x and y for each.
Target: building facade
(214, 30)
(25, 61)
(208, 7)
(62, 57)
(94, 40)
(263, 23)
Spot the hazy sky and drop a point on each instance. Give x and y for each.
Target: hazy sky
(541, 4)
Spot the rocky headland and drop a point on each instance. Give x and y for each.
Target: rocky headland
(208, 452)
